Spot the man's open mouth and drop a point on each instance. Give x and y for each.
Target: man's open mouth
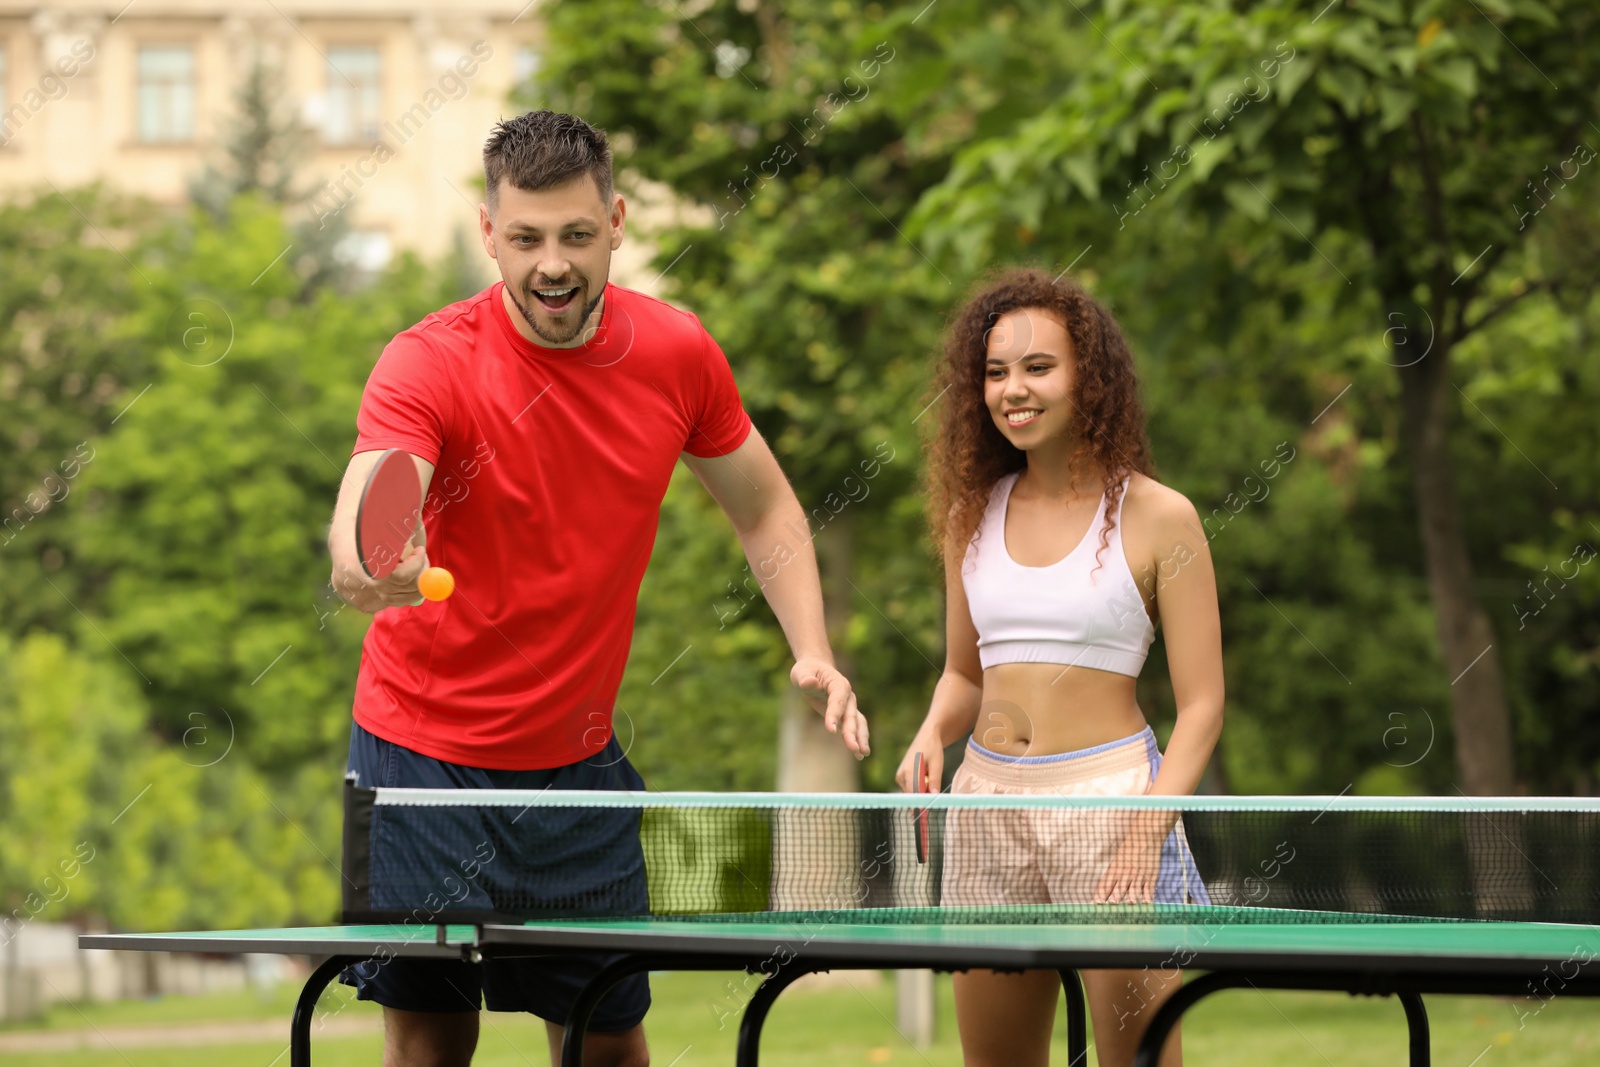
(556, 301)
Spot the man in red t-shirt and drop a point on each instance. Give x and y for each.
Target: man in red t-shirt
(545, 415)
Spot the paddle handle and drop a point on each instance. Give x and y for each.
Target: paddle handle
(919, 784)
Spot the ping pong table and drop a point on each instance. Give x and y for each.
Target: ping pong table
(1361, 955)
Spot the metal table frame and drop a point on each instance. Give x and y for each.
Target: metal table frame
(1406, 977)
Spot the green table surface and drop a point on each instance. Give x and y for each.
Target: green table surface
(1200, 937)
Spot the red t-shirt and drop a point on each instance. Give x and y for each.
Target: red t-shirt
(550, 466)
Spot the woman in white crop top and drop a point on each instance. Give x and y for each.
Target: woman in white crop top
(1061, 552)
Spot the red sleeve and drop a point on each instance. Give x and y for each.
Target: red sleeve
(406, 403)
(720, 423)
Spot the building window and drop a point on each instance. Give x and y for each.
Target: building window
(6, 131)
(527, 65)
(166, 93)
(366, 252)
(353, 95)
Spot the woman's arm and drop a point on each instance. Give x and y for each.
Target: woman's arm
(1186, 600)
(1186, 595)
(953, 711)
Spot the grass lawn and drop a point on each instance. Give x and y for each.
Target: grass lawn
(854, 1024)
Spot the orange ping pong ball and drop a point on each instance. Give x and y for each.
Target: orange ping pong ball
(436, 583)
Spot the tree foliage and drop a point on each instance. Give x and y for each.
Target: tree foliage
(209, 674)
(1259, 195)
(207, 505)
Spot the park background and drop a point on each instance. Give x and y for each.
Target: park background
(1354, 247)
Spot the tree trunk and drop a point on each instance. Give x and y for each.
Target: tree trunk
(11, 975)
(1484, 757)
(810, 759)
(817, 851)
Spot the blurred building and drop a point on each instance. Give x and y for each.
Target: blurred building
(397, 98)
(41, 964)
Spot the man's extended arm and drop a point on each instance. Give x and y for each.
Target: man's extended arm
(349, 580)
(771, 524)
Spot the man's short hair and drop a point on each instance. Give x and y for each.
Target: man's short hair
(543, 149)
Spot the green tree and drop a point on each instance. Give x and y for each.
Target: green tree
(69, 276)
(206, 508)
(1408, 146)
(825, 311)
(194, 388)
(107, 825)
(263, 147)
(70, 728)
(1016, 134)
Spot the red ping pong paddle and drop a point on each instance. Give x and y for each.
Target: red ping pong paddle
(919, 784)
(388, 516)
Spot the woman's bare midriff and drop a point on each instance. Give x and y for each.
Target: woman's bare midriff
(1043, 709)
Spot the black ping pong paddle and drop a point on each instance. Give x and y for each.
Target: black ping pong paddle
(919, 784)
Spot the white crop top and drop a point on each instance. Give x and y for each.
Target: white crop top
(1062, 613)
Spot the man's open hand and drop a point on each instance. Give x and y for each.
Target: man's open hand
(829, 692)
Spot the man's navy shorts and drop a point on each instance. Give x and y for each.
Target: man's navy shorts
(545, 861)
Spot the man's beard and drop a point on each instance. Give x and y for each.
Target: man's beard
(553, 338)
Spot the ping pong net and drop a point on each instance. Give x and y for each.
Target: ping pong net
(436, 856)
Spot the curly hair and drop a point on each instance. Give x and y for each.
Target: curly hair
(967, 453)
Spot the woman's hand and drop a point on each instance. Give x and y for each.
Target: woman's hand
(1131, 876)
(932, 762)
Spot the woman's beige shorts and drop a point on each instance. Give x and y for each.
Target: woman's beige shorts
(1054, 855)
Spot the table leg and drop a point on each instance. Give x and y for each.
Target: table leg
(755, 1012)
(1417, 1027)
(1077, 1024)
(1167, 1016)
(589, 999)
(305, 1008)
